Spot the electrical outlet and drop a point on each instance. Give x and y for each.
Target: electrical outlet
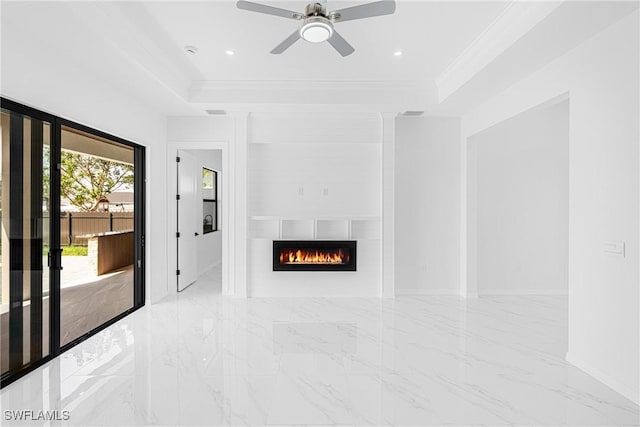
(300, 191)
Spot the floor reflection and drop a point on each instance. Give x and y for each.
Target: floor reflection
(199, 359)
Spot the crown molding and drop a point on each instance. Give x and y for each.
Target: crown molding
(515, 21)
(274, 95)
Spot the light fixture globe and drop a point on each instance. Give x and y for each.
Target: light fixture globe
(316, 29)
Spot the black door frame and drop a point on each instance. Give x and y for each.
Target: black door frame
(54, 240)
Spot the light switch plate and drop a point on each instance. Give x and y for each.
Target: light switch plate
(614, 248)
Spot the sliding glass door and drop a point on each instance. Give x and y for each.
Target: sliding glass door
(97, 208)
(72, 241)
(24, 207)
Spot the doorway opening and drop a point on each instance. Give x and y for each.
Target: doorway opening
(199, 224)
(519, 198)
(97, 212)
(518, 205)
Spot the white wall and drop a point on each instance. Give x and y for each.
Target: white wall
(427, 201)
(210, 245)
(314, 180)
(523, 203)
(41, 76)
(601, 77)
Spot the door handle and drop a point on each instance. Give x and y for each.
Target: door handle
(196, 234)
(54, 259)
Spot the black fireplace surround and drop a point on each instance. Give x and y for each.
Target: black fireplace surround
(314, 255)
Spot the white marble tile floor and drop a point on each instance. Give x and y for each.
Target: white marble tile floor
(198, 359)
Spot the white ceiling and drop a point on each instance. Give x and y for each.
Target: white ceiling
(443, 29)
(456, 54)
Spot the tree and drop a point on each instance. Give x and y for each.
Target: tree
(85, 179)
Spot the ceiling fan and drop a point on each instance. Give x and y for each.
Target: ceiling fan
(317, 24)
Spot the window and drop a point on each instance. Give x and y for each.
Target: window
(209, 201)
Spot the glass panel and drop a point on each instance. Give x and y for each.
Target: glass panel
(24, 245)
(207, 178)
(209, 217)
(4, 246)
(209, 200)
(96, 226)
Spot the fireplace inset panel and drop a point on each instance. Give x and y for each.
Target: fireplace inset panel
(314, 255)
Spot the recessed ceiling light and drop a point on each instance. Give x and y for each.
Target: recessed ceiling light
(397, 53)
(230, 52)
(191, 49)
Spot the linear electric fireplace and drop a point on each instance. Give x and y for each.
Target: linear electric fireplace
(314, 255)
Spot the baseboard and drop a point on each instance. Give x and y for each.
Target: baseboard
(155, 299)
(419, 291)
(624, 389)
(487, 292)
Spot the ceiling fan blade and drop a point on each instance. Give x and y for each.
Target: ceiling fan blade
(286, 44)
(340, 44)
(367, 10)
(269, 10)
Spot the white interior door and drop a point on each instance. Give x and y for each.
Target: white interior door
(189, 222)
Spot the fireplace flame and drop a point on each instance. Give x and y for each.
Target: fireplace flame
(301, 256)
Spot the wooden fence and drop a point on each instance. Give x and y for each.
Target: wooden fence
(76, 227)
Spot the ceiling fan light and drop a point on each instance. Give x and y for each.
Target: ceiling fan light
(316, 31)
